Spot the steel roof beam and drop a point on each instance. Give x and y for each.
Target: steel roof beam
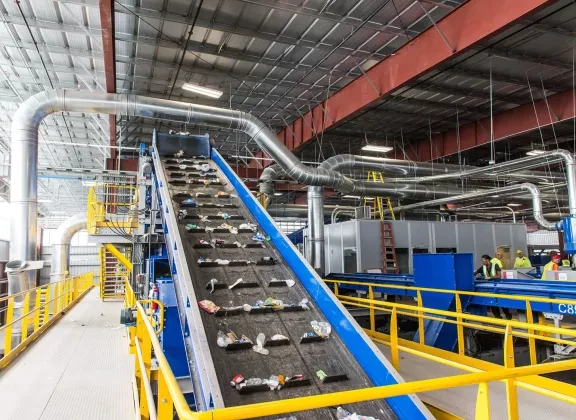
(516, 121)
(106, 8)
(424, 53)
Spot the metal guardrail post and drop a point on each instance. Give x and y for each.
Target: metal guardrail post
(509, 363)
(483, 402)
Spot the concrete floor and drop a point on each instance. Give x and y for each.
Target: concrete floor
(79, 369)
(462, 401)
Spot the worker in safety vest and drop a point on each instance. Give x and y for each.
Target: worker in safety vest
(489, 270)
(497, 259)
(565, 261)
(555, 260)
(522, 261)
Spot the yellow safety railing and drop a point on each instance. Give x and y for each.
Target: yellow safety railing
(458, 294)
(169, 397)
(113, 275)
(110, 205)
(31, 312)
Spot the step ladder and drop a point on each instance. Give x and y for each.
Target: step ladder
(389, 262)
(42, 315)
(377, 209)
(113, 276)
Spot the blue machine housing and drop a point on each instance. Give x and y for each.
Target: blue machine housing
(443, 271)
(569, 228)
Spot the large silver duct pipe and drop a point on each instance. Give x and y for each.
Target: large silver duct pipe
(315, 246)
(61, 245)
(514, 165)
(29, 115)
(531, 188)
(407, 171)
(301, 210)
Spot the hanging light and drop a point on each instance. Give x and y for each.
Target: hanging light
(381, 149)
(212, 93)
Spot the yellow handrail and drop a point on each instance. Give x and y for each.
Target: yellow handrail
(170, 395)
(28, 319)
(454, 292)
(169, 391)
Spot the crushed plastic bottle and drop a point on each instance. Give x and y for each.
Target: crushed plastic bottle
(258, 237)
(182, 214)
(250, 226)
(223, 340)
(205, 167)
(277, 337)
(273, 382)
(190, 226)
(203, 218)
(323, 329)
(304, 304)
(222, 262)
(342, 414)
(253, 382)
(224, 215)
(183, 166)
(259, 347)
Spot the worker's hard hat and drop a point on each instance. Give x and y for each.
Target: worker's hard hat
(519, 251)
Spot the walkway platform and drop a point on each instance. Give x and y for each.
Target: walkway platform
(78, 369)
(461, 401)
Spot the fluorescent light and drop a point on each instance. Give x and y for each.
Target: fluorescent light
(212, 93)
(277, 193)
(356, 197)
(535, 152)
(513, 204)
(382, 149)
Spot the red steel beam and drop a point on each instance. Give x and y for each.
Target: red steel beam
(106, 8)
(463, 28)
(513, 122)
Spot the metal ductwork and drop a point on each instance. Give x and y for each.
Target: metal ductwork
(61, 245)
(531, 188)
(418, 172)
(315, 247)
(301, 210)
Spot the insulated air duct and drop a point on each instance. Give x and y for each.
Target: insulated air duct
(61, 245)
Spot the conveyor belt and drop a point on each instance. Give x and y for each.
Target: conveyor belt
(330, 355)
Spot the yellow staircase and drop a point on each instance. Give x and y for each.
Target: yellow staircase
(113, 275)
(377, 207)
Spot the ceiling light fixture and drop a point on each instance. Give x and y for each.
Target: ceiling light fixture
(381, 149)
(356, 197)
(212, 93)
(277, 193)
(535, 152)
(513, 204)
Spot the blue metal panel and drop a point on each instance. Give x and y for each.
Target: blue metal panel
(442, 271)
(171, 336)
(351, 335)
(569, 228)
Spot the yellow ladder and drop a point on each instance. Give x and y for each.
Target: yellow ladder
(113, 276)
(377, 204)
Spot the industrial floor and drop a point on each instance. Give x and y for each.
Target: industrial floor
(461, 401)
(79, 369)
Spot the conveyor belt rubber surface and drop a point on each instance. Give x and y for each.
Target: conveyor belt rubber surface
(329, 355)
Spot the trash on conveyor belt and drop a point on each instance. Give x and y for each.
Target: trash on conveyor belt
(342, 414)
(259, 347)
(182, 214)
(323, 329)
(236, 283)
(189, 202)
(248, 226)
(281, 283)
(208, 306)
(190, 226)
(211, 285)
(231, 341)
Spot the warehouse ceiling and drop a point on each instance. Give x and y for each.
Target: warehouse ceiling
(275, 59)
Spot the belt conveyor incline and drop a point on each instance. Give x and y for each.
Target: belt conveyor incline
(329, 355)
